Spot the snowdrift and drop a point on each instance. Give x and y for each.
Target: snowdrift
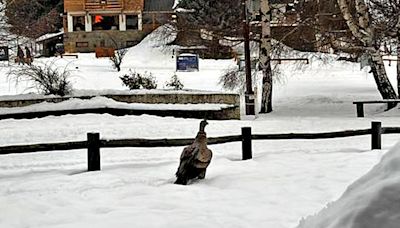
(371, 202)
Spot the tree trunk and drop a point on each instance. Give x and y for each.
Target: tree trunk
(382, 81)
(362, 30)
(265, 58)
(398, 63)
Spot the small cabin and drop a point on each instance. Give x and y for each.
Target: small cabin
(47, 45)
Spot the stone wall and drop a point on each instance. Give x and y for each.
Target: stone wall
(232, 112)
(81, 41)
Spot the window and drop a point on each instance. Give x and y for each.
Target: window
(81, 44)
(103, 22)
(78, 23)
(132, 22)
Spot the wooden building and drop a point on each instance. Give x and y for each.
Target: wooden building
(46, 45)
(90, 24)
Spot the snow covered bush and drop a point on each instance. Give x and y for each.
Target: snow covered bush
(175, 83)
(135, 80)
(46, 78)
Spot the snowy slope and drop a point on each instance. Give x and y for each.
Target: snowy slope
(370, 202)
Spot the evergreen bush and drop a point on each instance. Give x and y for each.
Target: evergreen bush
(175, 83)
(135, 80)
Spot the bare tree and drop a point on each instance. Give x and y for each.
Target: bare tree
(265, 57)
(4, 27)
(6, 38)
(118, 55)
(361, 27)
(387, 19)
(33, 18)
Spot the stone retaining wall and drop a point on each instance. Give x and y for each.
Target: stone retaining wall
(155, 98)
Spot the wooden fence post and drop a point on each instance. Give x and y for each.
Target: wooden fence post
(246, 143)
(93, 140)
(376, 132)
(360, 109)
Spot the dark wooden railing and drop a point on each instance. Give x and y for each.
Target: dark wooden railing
(94, 143)
(103, 4)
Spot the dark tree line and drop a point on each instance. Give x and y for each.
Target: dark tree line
(33, 18)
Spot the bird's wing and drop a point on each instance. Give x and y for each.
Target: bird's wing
(188, 151)
(209, 154)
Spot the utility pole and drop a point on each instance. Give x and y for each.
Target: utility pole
(249, 94)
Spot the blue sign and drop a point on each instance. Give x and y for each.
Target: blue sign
(187, 62)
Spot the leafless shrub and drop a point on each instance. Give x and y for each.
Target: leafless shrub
(118, 57)
(47, 78)
(232, 79)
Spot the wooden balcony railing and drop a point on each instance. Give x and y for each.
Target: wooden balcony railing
(104, 4)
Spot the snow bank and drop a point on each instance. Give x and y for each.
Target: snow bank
(102, 102)
(372, 201)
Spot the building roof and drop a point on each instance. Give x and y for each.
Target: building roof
(49, 36)
(158, 5)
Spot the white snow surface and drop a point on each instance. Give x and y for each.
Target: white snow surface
(286, 180)
(372, 201)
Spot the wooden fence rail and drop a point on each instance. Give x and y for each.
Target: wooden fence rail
(93, 142)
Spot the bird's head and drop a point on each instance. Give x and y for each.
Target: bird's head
(203, 124)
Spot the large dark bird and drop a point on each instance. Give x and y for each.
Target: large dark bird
(194, 158)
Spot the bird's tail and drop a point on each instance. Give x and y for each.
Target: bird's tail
(181, 181)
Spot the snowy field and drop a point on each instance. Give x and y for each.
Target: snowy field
(286, 181)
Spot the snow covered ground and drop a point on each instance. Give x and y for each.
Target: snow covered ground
(372, 201)
(286, 181)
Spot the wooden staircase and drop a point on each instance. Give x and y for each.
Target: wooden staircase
(113, 5)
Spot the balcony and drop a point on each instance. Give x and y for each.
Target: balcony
(113, 5)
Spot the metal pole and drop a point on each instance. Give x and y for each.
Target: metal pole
(249, 94)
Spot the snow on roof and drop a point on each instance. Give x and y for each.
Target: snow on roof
(48, 36)
(187, 54)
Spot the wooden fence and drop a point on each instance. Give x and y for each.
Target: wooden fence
(94, 143)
